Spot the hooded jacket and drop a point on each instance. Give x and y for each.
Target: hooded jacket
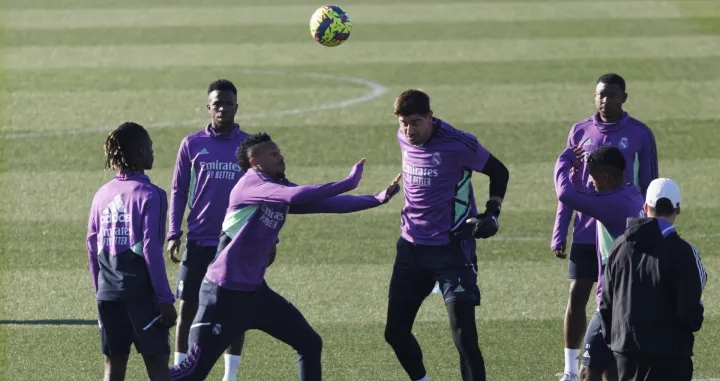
(650, 303)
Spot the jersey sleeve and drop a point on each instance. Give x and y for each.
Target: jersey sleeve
(338, 204)
(472, 154)
(271, 192)
(648, 163)
(92, 247)
(688, 286)
(180, 190)
(600, 207)
(154, 219)
(563, 215)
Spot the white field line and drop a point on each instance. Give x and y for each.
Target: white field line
(375, 90)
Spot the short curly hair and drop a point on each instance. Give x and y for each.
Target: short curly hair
(244, 152)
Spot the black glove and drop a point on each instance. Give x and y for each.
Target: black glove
(486, 224)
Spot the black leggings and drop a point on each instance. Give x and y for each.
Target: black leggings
(398, 333)
(224, 314)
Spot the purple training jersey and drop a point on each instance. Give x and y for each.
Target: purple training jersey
(206, 171)
(610, 209)
(637, 143)
(257, 211)
(437, 183)
(126, 232)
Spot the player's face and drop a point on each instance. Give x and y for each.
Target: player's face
(609, 99)
(417, 128)
(268, 159)
(222, 106)
(600, 180)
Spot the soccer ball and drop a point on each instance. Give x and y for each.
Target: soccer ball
(330, 25)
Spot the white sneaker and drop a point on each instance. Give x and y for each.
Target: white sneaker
(437, 290)
(570, 377)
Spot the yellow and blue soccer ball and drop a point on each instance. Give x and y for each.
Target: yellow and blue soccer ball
(330, 25)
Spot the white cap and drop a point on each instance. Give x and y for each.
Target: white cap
(663, 188)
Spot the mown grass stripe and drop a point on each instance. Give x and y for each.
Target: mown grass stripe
(519, 103)
(436, 30)
(582, 71)
(291, 54)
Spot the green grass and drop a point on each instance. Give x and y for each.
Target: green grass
(516, 74)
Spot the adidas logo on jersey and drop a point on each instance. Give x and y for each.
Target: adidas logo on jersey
(115, 212)
(204, 152)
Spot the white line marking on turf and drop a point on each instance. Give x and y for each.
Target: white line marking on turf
(376, 90)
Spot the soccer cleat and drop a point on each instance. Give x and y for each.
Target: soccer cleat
(570, 377)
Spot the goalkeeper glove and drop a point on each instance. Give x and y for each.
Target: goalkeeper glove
(486, 225)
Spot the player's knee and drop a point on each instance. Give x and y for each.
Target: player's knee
(312, 343)
(394, 336)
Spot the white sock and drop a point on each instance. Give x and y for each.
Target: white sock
(426, 378)
(572, 356)
(232, 363)
(179, 357)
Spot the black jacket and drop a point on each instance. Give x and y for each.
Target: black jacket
(651, 294)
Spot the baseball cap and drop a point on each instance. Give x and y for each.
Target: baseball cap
(663, 188)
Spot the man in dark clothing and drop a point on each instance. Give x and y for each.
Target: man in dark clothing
(650, 305)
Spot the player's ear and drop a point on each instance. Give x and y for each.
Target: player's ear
(677, 211)
(430, 115)
(646, 209)
(625, 96)
(252, 162)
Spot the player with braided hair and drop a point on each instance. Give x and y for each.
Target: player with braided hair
(126, 232)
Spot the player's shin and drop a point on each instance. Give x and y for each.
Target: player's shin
(464, 331)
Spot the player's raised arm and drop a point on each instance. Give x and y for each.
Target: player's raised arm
(179, 191)
(348, 203)
(92, 246)
(261, 154)
(558, 242)
(599, 206)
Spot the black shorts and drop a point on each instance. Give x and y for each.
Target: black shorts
(596, 353)
(418, 267)
(194, 265)
(583, 263)
(225, 314)
(125, 323)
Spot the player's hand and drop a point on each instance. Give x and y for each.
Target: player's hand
(174, 249)
(168, 315)
(560, 252)
(392, 190)
(486, 224)
(272, 256)
(356, 172)
(579, 154)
